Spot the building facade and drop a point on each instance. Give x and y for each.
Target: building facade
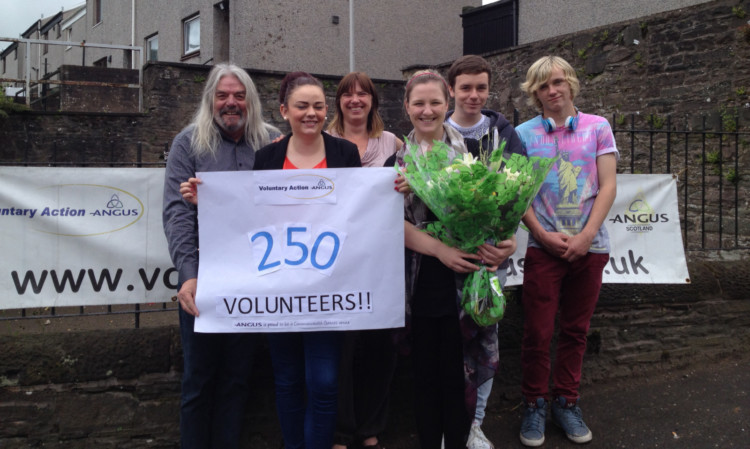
(389, 35)
(259, 34)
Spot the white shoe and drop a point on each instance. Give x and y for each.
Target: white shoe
(477, 440)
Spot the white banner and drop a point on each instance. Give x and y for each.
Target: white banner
(93, 236)
(82, 236)
(644, 231)
(300, 250)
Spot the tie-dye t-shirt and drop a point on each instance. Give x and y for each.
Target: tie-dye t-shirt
(567, 196)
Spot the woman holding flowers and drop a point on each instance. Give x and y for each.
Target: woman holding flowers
(368, 358)
(432, 283)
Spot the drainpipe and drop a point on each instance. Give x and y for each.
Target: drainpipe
(132, 33)
(351, 35)
(39, 55)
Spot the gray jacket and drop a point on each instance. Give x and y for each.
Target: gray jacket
(180, 218)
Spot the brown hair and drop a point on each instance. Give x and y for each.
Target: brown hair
(471, 65)
(292, 81)
(425, 76)
(375, 123)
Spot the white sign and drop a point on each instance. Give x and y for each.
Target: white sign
(82, 236)
(300, 250)
(644, 232)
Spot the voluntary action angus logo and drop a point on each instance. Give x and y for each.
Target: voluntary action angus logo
(77, 210)
(639, 216)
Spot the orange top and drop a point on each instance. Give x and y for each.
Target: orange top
(289, 166)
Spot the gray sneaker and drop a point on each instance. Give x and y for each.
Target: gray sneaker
(532, 425)
(569, 417)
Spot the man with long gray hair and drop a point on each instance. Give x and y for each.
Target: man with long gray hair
(225, 132)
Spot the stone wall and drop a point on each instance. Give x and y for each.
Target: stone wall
(119, 388)
(688, 62)
(109, 98)
(171, 95)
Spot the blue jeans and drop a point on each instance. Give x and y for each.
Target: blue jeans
(306, 359)
(215, 385)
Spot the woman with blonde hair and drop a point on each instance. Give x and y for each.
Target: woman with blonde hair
(434, 276)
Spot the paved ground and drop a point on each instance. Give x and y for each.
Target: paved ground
(705, 406)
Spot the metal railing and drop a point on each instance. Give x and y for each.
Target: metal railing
(27, 81)
(706, 161)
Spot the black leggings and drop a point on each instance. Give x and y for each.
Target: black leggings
(440, 407)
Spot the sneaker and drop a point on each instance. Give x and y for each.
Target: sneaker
(532, 425)
(477, 440)
(569, 417)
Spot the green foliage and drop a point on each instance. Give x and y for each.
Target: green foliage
(639, 59)
(655, 121)
(621, 119)
(582, 53)
(713, 157)
(482, 297)
(740, 91)
(732, 176)
(739, 12)
(199, 79)
(728, 119)
(475, 200)
(7, 105)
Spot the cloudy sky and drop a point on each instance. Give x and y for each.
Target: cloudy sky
(16, 16)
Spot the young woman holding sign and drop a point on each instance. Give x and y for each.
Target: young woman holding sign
(306, 360)
(432, 279)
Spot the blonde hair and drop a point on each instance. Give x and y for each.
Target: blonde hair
(539, 73)
(206, 135)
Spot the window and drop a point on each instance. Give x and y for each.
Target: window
(59, 30)
(45, 47)
(3, 65)
(97, 11)
(152, 48)
(191, 35)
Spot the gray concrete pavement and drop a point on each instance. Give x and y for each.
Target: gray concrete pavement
(704, 406)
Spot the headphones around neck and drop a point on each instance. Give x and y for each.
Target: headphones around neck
(571, 123)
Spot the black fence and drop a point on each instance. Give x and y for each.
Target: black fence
(709, 157)
(706, 161)
(491, 27)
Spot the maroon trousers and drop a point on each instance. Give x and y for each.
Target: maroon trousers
(551, 284)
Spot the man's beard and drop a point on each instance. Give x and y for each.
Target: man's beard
(233, 125)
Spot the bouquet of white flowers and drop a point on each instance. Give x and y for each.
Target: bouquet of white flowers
(476, 200)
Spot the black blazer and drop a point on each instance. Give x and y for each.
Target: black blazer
(340, 153)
